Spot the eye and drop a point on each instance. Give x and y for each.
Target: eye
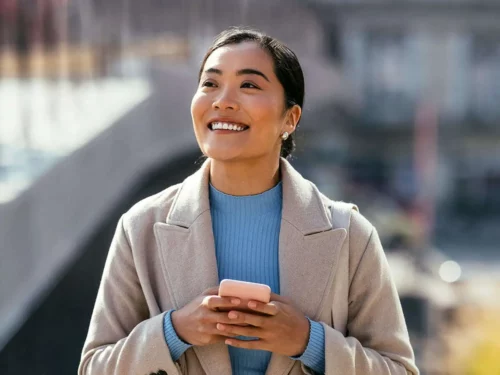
(249, 85)
(208, 84)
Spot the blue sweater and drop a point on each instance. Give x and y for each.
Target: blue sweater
(246, 231)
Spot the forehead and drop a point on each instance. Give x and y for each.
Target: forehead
(234, 57)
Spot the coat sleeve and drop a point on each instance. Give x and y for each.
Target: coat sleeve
(377, 341)
(122, 338)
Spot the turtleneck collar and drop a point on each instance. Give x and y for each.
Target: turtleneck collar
(269, 200)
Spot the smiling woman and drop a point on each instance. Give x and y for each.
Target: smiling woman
(246, 215)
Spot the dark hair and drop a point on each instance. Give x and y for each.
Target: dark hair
(286, 67)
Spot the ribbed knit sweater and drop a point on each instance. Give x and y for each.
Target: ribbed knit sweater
(246, 232)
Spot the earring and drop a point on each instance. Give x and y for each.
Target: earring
(285, 136)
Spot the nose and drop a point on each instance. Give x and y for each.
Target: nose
(225, 101)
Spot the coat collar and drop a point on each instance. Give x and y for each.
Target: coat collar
(308, 254)
(302, 205)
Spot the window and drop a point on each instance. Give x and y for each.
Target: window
(389, 92)
(485, 78)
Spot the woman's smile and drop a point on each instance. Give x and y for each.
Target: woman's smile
(222, 127)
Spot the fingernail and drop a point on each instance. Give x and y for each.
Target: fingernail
(252, 305)
(232, 315)
(235, 301)
(220, 327)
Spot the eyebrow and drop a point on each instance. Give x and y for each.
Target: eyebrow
(240, 72)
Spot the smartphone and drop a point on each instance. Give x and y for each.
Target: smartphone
(245, 291)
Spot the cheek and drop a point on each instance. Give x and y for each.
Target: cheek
(264, 108)
(199, 105)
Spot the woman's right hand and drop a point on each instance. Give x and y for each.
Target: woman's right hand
(196, 323)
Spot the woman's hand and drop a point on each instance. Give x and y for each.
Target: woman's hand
(283, 329)
(196, 322)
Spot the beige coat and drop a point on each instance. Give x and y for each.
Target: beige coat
(162, 256)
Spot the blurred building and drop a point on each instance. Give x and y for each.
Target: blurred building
(422, 84)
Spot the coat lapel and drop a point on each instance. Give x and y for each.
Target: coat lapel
(188, 254)
(308, 253)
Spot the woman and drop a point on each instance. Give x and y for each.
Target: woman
(247, 215)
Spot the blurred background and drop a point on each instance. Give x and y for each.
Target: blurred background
(402, 117)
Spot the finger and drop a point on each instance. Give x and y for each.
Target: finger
(216, 302)
(270, 308)
(247, 344)
(208, 327)
(220, 334)
(241, 318)
(236, 330)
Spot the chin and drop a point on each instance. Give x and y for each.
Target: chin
(223, 155)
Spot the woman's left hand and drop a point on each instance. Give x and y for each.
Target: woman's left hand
(279, 327)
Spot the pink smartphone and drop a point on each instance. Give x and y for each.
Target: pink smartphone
(245, 290)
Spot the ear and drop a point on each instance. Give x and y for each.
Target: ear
(292, 118)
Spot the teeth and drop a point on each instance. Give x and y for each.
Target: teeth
(226, 126)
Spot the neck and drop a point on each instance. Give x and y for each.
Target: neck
(244, 177)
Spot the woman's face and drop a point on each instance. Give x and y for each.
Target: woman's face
(239, 89)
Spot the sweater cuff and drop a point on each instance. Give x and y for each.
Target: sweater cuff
(176, 346)
(314, 355)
